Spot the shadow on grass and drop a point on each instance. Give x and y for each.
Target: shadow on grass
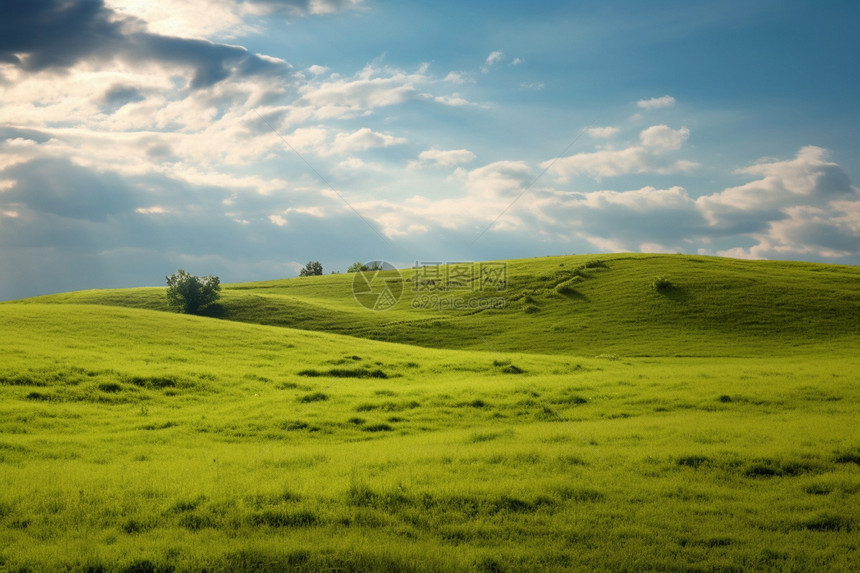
(675, 293)
(214, 310)
(572, 294)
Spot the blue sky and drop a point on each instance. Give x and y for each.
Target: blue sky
(245, 137)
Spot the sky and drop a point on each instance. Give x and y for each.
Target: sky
(243, 138)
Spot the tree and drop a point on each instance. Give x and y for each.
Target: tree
(188, 293)
(313, 268)
(361, 267)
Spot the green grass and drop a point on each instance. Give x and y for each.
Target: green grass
(571, 305)
(138, 440)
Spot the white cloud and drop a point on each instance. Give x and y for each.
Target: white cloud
(457, 77)
(317, 70)
(602, 132)
(494, 58)
(500, 179)
(364, 139)
(442, 158)
(664, 138)
(154, 210)
(656, 102)
(220, 18)
(278, 220)
(517, 61)
(649, 157)
(644, 199)
(371, 88)
(453, 100)
(190, 18)
(808, 179)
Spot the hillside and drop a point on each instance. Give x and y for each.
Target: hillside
(134, 440)
(579, 305)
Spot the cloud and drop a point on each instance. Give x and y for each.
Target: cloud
(222, 18)
(664, 138)
(807, 180)
(119, 95)
(803, 207)
(500, 179)
(648, 157)
(294, 8)
(369, 89)
(43, 35)
(494, 58)
(458, 77)
(602, 132)
(623, 220)
(364, 139)
(656, 102)
(442, 158)
(58, 187)
(453, 100)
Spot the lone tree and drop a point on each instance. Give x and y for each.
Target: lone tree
(313, 268)
(188, 293)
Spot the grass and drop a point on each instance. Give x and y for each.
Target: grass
(576, 305)
(138, 440)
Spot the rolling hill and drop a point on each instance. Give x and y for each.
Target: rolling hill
(594, 423)
(579, 305)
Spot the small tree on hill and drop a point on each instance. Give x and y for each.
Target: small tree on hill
(188, 293)
(313, 268)
(361, 267)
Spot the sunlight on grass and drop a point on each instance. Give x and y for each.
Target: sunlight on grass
(139, 440)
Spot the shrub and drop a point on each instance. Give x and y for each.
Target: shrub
(189, 294)
(661, 284)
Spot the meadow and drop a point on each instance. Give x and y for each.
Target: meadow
(595, 423)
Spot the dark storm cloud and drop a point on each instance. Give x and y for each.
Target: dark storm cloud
(59, 187)
(74, 228)
(38, 35)
(119, 95)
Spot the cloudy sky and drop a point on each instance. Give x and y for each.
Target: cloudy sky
(245, 137)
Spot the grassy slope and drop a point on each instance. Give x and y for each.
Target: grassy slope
(718, 307)
(135, 440)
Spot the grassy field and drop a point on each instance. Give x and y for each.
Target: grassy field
(572, 305)
(600, 426)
